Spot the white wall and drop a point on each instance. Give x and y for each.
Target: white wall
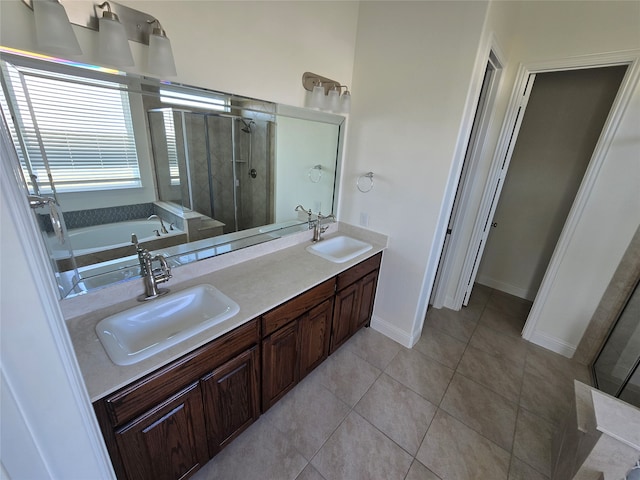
(413, 68)
(253, 48)
(46, 432)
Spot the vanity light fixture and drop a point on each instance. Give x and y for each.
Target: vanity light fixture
(113, 44)
(54, 33)
(325, 93)
(116, 24)
(160, 55)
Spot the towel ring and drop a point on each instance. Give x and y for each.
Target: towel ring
(365, 187)
(315, 173)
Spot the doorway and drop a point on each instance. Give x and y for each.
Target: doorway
(564, 118)
(461, 202)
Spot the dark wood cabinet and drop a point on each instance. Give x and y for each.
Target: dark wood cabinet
(169, 423)
(168, 442)
(344, 315)
(280, 370)
(231, 399)
(315, 332)
(296, 340)
(356, 290)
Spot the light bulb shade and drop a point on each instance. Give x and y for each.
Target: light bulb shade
(345, 101)
(113, 44)
(333, 100)
(53, 30)
(318, 97)
(160, 56)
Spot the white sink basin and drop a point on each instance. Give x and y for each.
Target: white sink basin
(339, 249)
(142, 331)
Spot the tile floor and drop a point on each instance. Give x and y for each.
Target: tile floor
(471, 400)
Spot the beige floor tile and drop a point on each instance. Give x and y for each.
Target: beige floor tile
(485, 411)
(373, 347)
(506, 347)
(548, 397)
(420, 472)
(421, 374)
(547, 388)
(509, 304)
(532, 442)
(260, 452)
(310, 473)
(459, 325)
(454, 451)
(521, 471)
(346, 375)
(440, 346)
(357, 450)
(545, 362)
(503, 378)
(397, 411)
(502, 322)
(308, 415)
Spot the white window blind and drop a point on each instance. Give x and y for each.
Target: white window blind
(85, 129)
(172, 148)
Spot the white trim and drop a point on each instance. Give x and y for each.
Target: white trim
(441, 298)
(554, 344)
(394, 333)
(487, 41)
(597, 160)
(526, 293)
(15, 195)
(494, 184)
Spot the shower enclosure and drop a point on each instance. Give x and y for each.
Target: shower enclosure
(616, 369)
(220, 166)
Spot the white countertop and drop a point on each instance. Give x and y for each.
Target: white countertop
(257, 284)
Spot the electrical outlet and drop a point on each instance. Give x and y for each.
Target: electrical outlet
(364, 219)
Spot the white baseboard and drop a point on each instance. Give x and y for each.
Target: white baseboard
(554, 344)
(391, 331)
(527, 294)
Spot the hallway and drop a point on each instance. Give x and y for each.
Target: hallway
(471, 400)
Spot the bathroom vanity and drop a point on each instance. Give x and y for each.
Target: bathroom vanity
(166, 416)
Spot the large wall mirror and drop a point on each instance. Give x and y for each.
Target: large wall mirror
(192, 172)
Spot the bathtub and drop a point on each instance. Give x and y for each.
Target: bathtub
(98, 238)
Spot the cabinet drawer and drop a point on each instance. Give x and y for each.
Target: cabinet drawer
(358, 271)
(157, 386)
(280, 316)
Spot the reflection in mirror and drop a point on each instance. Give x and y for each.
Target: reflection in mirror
(192, 172)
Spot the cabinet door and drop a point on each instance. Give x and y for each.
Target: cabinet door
(367, 287)
(315, 332)
(345, 312)
(168, 442)
(231, 399)
(280, 370)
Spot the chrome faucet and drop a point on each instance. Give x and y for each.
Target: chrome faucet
(318, 229)
(151, 277)
(162, 227)
(300, 208)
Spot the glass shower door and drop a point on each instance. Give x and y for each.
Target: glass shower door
(616, 367)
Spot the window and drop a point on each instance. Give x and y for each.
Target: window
(83, 135)
(172, 148)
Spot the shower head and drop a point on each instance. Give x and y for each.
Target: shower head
(247, 125)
